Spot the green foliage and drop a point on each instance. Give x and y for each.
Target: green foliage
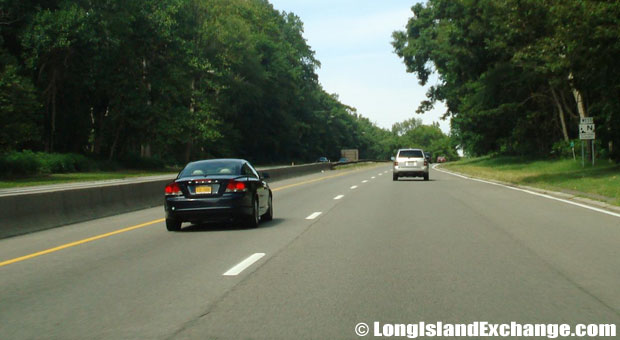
(413, 134)
(19, 107)
(167, 81)
(27, 163)
(509, 69)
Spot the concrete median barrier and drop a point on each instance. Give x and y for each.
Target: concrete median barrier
(31, 211)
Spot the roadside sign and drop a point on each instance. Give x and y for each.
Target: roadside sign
(587, 120)
(586, 131)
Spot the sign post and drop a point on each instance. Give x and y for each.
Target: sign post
(587, 132)
(572, 146)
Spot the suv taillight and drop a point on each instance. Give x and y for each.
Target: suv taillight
(173, 189)
(425, 163)
(395, 163)
(235, 186)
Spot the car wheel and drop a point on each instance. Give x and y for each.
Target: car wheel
(268, 216)
(173, 225)
(395, 177)
(254, 218)
(426, 177)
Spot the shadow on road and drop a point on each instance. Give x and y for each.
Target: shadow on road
(415, 180)
(228, 226)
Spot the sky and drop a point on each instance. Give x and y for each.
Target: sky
(352, 40)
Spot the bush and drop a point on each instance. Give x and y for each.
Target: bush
(562, 149)
(20, 163)
(28, 163)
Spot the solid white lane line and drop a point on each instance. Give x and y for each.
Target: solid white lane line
(365, 181)
(338, 197)
(532, 193)
(241, 266)
(314, 215)
(354, 187)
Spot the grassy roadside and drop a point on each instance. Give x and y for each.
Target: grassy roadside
(6, 183)
(600, 182)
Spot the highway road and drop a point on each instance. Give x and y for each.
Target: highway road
(345, 247)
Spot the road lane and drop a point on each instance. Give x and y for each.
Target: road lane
(407, 251)
(147, 282)
(445, 250)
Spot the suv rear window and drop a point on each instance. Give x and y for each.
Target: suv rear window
(411, 154)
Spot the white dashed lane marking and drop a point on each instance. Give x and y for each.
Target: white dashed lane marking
(241, 266)
(314, 215)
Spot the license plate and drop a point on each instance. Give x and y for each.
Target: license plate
(412, 163)
(203, 189)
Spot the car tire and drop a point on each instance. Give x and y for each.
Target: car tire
(395, 177)
(268, 216)
(173, 225)
(253, 219)
(426, 177)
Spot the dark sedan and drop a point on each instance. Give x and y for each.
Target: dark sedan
(218, 190)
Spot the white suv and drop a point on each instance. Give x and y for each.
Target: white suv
(410, 162)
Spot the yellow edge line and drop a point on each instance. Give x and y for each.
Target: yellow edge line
(98, 237)
(73, 244)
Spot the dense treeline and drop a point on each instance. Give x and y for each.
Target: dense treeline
(170, 79)
(516, 75)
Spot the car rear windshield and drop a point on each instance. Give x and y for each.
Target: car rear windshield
(209, 168)
(411, 153)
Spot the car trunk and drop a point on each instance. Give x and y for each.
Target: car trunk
(205, 186)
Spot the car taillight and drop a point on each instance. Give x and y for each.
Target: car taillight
(395, 163)
(173, 189)
(425, 163)
(235, 186)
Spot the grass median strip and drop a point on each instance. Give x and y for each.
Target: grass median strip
(601, 182)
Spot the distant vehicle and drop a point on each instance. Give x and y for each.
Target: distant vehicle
(350, 154)
(343, 160)
(410, 162)
(441, 159)
(218, 190)
(428, 156)
(322, 160)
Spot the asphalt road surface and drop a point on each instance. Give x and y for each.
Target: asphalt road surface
(345, 247)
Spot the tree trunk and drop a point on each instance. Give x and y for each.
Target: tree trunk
(188, 150)
(192, 109)
(581, 108)
(116, 138)
(145, 150)
(561, 113)
(53, 118)
(99, 116)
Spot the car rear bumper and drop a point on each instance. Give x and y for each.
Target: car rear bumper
(225, 207)
(411, 172)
